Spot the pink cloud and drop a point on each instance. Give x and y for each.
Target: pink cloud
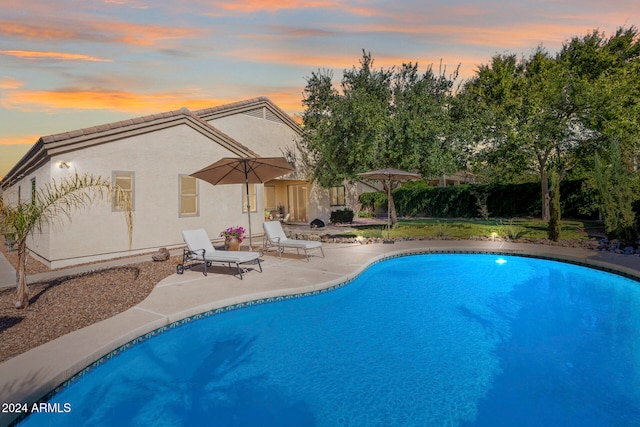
(250, 6)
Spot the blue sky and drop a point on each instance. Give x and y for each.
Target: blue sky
(70, 64)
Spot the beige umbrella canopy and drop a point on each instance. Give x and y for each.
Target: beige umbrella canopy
(389, 175)
(244, 170)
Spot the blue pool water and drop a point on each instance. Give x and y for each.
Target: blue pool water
(425, 340)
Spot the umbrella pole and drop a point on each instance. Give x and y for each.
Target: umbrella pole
(246, 184)
(388, 213)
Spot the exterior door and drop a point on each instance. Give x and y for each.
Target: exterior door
(298, 201)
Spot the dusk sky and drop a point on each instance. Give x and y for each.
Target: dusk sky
(71, 64)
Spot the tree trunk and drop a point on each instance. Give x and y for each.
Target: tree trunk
(22, 294)
(554, 227)
(544, 189)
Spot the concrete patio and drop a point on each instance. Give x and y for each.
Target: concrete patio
(31, 375)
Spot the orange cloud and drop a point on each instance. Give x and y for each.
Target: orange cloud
(147, 35)
(100, 99)
(9, 83)
(16, 29)
(248, 6)
(100, 31)
(27, 54)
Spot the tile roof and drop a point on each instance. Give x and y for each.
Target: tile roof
(247, 105)
(81, 138)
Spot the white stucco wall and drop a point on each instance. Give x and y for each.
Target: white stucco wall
(265, 137)
(156, 159)
(320, 203)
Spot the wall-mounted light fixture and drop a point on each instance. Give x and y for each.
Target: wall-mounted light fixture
(64, 165)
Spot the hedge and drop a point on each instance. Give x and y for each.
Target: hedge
(503, 200)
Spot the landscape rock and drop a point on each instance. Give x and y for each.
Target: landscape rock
(162, 255)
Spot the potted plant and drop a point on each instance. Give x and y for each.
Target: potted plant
(233, 236)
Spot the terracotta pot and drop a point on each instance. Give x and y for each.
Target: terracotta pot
(232, 244)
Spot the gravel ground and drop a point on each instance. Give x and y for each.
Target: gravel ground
(70, 303)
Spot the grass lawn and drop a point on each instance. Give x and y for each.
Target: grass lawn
(463, 229)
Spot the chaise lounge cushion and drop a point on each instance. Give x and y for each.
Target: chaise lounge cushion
(275, 236)
(200, 248)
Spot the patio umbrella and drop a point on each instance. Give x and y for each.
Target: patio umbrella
(389, 175)
(244, 170)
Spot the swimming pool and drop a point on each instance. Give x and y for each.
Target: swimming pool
(459, 340)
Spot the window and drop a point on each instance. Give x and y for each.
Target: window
(269, 197)
(188, 196)
(252, 198)
(124, 183)
(336, 195)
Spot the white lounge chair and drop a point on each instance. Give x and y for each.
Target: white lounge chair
(274, 236)
(200, 249)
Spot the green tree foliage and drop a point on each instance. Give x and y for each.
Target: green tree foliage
(616, 196)
(605, 85)
(546, 113)
(379, 118)
(53, 202)
(530, 127)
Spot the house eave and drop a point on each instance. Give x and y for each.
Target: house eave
(63, 143)
(240, 107)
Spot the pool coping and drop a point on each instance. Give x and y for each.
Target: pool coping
(35, 374)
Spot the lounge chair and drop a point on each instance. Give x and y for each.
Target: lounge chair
(200, 249)
(274, 236)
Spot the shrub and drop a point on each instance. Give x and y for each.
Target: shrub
(372, 200)
(365, 214)
(344, 215)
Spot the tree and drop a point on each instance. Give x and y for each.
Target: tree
(543, 114)
(529, 124)
(421, 126)
(380, 118)
(345, 133)
(605, 87)
(48, 205)
(616, 196)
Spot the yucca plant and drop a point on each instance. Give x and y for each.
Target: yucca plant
(51, 203)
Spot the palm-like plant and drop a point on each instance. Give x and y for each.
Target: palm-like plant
(52, 203)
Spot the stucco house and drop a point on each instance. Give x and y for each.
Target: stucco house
(152, 157)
